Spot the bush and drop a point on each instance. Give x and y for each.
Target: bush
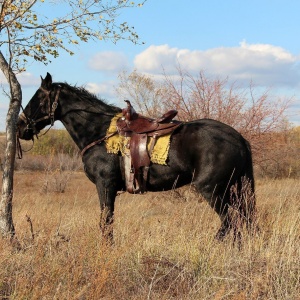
(55, 141)
(54, 150)
(259, 117)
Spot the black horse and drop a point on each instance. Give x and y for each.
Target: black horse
(210, 155)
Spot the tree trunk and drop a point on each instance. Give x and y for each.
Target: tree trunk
(7, 228)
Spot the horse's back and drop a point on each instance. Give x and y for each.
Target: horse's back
(206, 151)
(210, 135)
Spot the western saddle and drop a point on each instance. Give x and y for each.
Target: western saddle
(138, 129)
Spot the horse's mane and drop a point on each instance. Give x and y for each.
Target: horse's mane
(98, 104)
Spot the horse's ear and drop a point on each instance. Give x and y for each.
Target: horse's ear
(46, 83)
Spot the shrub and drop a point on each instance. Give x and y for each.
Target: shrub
(259, 117)
(55, 141)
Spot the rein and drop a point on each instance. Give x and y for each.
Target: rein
(18, 143)
(97, 142)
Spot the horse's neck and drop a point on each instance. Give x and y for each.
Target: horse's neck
(82, 131)
(83, 125)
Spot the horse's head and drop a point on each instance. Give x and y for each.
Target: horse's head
(40, 110)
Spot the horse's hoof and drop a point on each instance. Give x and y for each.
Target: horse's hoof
(220, 235)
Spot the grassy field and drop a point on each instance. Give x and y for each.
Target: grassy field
(164, 245)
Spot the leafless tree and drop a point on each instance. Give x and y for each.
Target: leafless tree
(258, 116)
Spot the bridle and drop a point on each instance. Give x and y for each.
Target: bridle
(31, 122)
(52, 107)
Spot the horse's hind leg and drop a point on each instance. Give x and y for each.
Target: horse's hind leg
(219, 204)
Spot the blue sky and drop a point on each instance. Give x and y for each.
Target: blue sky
(245, 40)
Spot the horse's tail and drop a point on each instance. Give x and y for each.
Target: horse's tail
(247, 189)
(249, 166)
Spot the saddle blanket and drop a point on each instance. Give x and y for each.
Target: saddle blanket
(118, 143)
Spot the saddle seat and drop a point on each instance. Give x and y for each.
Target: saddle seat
(138, 129)
(132, 122)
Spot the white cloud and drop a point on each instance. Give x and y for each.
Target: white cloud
(264, 64)
(154, 58)
(108, 61)
(28, 79)
(25, 79)
(105, 90)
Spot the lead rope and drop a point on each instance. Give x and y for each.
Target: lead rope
(18, 143)
(97, 142)
(19, 147)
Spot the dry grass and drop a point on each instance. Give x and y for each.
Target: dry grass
(164, 246)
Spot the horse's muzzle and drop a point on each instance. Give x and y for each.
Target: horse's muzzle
(25, 130)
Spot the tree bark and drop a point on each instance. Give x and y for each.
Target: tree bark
(7, 228)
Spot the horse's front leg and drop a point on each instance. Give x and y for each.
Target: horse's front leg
(107, 194)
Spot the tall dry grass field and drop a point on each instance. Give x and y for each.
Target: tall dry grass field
(164, 245)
